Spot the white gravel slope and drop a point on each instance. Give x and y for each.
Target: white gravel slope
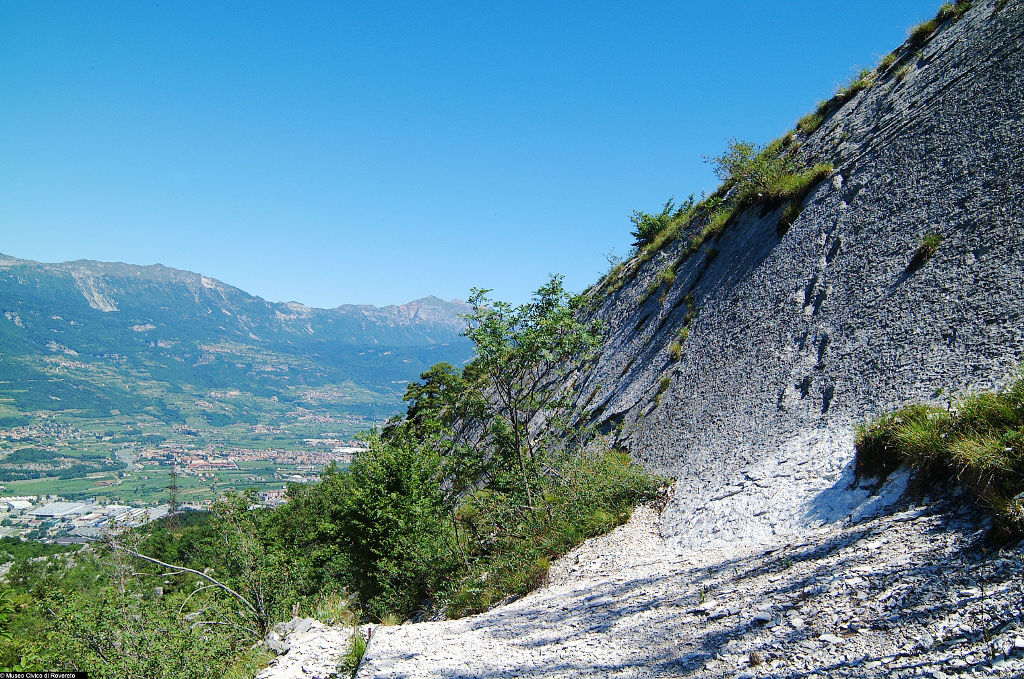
(906, 594)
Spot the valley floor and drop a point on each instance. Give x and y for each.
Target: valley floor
(910, 593)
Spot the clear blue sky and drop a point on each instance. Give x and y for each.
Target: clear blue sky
(343, 152)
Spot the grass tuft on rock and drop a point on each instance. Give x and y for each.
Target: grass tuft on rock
(948, 11)
(926, 250)
(977, 443)
(810, 122)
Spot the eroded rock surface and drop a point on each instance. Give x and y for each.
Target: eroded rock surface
(794, 339)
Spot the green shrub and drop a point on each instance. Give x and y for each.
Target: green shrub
(432, 518)
(926, 250)
(750, 169)
(509, 548)
(978, 442)
(647, 227)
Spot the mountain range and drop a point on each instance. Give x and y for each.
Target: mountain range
(102, 338)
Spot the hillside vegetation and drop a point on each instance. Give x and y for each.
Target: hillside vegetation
(452, 508)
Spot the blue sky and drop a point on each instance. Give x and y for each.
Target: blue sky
(344, 152)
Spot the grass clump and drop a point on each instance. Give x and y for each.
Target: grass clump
(953, 10)
(675, 350)
(667, 277)
(792, 191)
(926, 250)
(864, 80)
(663, 385)
(796, 185)
(333, 608)
(887, 62)
(977, 442)
(390, 620)
(663, 281)
(948, 11)
(691, 315)
(810, 122)
(354, 654)
(919, 34)
(652, 288)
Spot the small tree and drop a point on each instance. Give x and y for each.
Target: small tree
(750, 168)
(521, 350)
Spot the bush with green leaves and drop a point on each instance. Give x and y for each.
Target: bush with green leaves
(646, 226)
(520, 351)
(467, 498)
(751, 170)
(977, 442)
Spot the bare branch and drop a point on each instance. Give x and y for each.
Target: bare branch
(216, 583)
(195, 591)
(225, 624)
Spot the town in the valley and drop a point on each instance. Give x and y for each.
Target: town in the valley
(187, 473)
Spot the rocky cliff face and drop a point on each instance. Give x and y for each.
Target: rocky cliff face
(794, 339)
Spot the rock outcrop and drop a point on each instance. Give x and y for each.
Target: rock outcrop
(796, 339)
(307, 648)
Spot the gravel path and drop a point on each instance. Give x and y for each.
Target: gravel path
(911, 593)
